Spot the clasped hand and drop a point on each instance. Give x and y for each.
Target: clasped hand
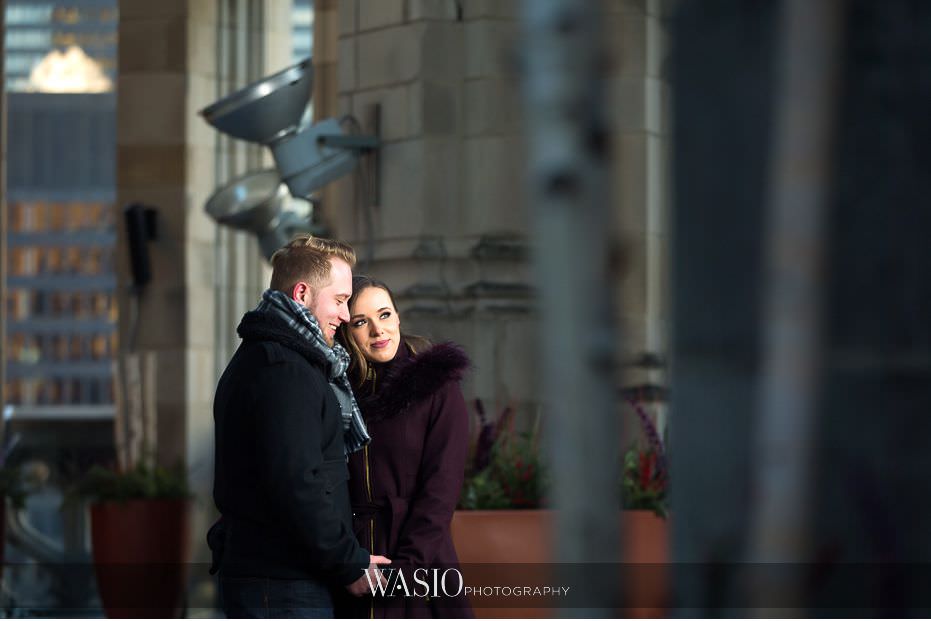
(370, 577)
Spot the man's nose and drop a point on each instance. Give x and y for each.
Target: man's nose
(343, 314)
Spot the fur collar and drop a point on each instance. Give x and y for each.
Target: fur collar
(257, 326)
(409, 380)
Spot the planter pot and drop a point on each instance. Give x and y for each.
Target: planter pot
(645, 572)
(140, 552)
(514, 547)
(507, 547)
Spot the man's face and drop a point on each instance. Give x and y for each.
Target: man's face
(329, 303)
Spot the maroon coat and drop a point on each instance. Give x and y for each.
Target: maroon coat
(405, 485)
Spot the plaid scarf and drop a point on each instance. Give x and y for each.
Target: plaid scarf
(304, 323)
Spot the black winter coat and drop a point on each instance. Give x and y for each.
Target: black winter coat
(280, 472)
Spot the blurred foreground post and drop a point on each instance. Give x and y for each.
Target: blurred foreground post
(563, 62)
(859, 520)
(792, 288)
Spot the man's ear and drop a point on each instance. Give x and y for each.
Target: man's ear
(299, 292)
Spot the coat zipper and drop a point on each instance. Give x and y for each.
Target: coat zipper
(368, 489)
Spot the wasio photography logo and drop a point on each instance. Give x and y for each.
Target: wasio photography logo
(423, 582)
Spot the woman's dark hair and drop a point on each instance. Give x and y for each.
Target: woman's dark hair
(359, 366)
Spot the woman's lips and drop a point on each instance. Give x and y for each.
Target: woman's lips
(380, 344)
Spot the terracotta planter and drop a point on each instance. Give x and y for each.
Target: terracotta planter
(140, 552)
(503, 548)
(488, 542)
(646, 557)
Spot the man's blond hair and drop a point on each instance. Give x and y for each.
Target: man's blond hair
(307, 258)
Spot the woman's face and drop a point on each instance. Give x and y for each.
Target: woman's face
(374, 325)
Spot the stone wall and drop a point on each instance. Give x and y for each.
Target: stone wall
(446, 224)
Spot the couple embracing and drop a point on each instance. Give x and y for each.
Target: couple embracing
(340, 448)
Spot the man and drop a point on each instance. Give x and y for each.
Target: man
(285, 422)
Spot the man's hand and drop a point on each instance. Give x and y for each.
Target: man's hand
(371, 577)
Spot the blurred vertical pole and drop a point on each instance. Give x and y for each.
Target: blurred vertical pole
(563, 60)
(722, 66)
(4, 219)
(793, 285)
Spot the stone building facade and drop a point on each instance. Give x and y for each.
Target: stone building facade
(442, 217)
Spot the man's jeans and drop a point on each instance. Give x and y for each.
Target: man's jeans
(264, 598)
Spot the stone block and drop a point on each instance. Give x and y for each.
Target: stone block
(442, 53)
(171, 376)
(380, 13)
(326, 34)
(518, 345)
(394, 123)
(492, 106)
(442, 180)
(344, 105)
(172, 436)
(347, 64)
(158, 45)
(150, 165)
(476, 9)
(402, 211)
(202, 91)
(326, 89)
(201, 49)
(493, 186)
(390, 55)
(437, 108)
(201, 318)
(145, 9)
(348, 13)
(490, 48)
(433, 9)
(162, 317)
(205, 13)
(150, 109)
(201, 266)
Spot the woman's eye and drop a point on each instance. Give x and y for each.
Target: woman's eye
(385, 315)
(359, 323)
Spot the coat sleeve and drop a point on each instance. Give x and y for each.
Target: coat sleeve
(439, 480)
(297, 480)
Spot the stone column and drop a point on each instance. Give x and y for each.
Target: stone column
(165, 158)
(175, 59)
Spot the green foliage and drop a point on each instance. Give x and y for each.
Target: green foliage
(514, 478)
(644, 482)
(12, 486)
(481, 491)
(144, 481)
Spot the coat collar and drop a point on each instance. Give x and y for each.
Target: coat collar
(259, 326)
(410, 379)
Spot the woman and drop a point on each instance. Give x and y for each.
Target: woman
(405, 485)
